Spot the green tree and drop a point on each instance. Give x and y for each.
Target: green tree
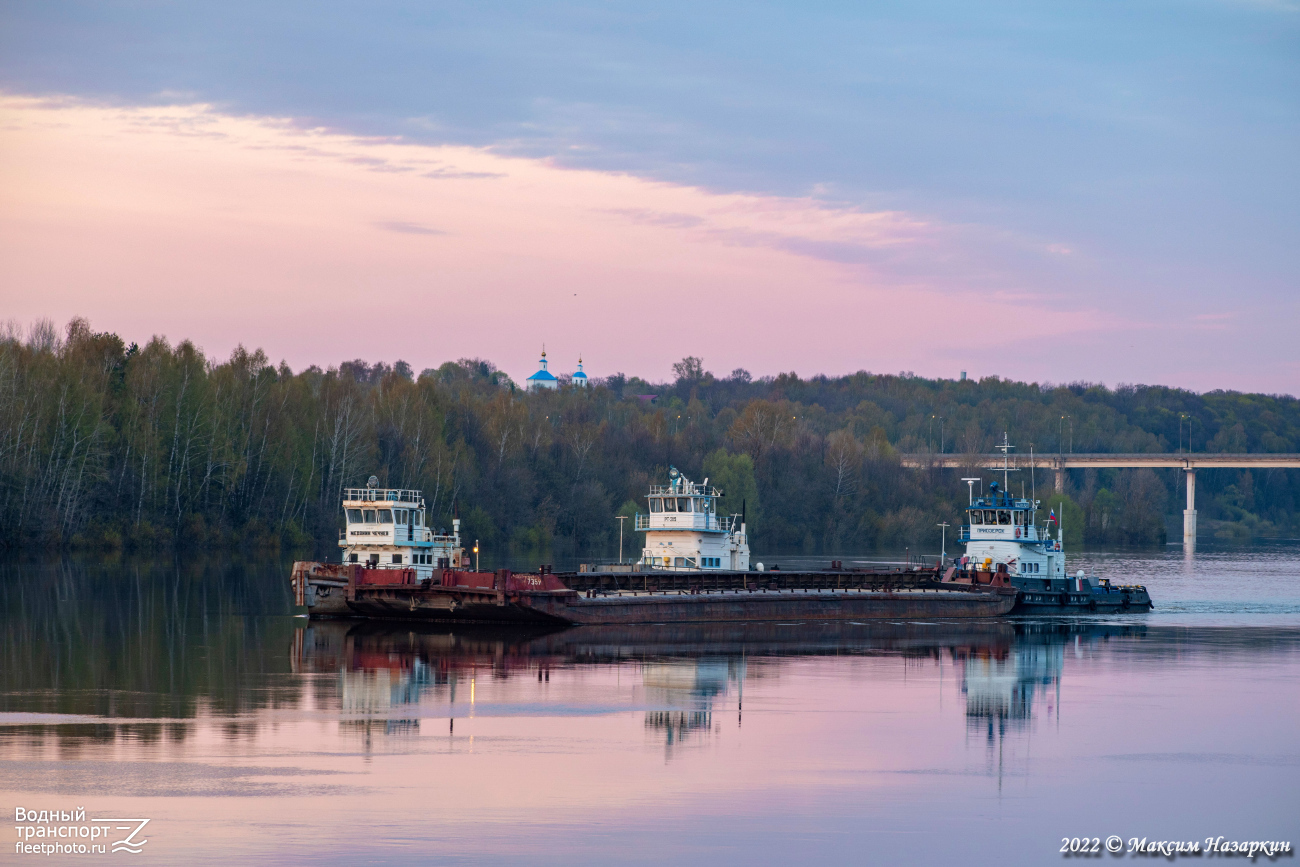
(1071, 519)
(734, 475)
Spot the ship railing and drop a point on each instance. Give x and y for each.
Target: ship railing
(689, 490)
(382, 495)
(711, 522)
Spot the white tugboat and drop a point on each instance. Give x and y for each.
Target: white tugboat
(1004, 545)
(684, 531)
(386, 530)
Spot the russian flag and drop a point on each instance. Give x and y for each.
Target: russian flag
(1051, 516)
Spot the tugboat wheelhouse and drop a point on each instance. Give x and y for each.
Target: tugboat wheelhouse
(386, 529)
(684, 530)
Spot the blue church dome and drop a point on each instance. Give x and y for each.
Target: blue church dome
(543, 378)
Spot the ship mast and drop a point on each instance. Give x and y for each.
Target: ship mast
(1006, 468)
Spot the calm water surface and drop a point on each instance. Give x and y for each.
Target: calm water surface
(189, 694)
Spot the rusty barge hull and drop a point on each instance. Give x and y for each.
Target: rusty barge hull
(329, 590)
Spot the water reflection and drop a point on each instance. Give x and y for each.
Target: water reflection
(685, 690)
(390, 677)
(1001, 683)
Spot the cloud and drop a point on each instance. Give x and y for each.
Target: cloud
(186, 221)
(407, 228)
(659, 218)
(456, 174)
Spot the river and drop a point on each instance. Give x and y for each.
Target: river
(186, 692)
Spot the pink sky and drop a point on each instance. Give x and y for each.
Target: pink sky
(320, 247)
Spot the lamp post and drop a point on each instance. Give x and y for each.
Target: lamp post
(943, 542)
(621, 519)
(476, 555)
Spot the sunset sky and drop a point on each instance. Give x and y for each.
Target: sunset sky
(1052, 192)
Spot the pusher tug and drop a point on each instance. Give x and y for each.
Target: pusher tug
(684, 531)
(1005, 547)
(396, 568)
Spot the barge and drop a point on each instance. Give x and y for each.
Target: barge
(394, 567)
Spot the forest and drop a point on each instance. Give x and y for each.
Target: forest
(117, 446)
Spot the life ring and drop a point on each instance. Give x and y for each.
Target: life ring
(1017, 532)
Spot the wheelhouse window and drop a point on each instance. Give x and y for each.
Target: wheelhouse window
(385, 516)
(976, 516)
(1004, 517)
(354, 516)
(419, 518)
(656, 504)
(990, 516)
(369, 515)
(683, 504)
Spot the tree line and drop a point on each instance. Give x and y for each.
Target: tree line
(110, 445)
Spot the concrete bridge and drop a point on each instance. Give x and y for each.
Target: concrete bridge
(1189, 462)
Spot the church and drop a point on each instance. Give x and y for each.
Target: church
(543, 378)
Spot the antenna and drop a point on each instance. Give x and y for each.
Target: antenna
(1006, 448)
(1033, 491)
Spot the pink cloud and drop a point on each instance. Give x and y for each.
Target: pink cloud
(320, 246)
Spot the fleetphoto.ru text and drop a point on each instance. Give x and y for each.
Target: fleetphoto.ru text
(71, 832)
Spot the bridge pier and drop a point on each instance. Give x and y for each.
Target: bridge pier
(1060, 480)
(1189, 514)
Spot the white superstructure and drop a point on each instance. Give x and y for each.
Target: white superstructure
(1001, 529)
(684, 531)
(386, 529)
